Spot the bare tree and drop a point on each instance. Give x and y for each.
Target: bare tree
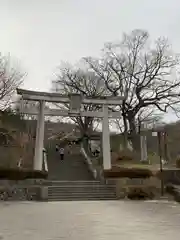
(84, 82)
(145, 74)
(10, 79)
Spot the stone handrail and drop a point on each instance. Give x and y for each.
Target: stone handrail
(19, 163)
(89, 162)
(45, 161)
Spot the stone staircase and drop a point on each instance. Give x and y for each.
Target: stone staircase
(72, 168)
(80, 191)
(71, 179)
(68, 180)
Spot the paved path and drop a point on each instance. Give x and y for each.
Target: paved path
(89, 221)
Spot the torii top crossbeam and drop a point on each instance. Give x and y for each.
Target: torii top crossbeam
(59, 98)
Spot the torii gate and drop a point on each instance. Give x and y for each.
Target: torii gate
(75, 101)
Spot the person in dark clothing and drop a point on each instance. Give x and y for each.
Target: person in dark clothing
(61, 152)
(57, 148)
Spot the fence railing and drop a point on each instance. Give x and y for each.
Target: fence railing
(45, 160)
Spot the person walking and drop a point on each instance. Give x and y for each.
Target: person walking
(61, 152)
(57, 148)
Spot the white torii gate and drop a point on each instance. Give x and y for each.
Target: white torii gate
(75, 101)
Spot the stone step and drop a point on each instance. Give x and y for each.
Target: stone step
(81, 187)
(87, 189)
(81, 193)
(88, 198)
(80, 190)
(82, 196)
(58, 182)
(78, 184)
(85, 186)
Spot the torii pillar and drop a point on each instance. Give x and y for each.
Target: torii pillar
(39, 144)
(106, 139)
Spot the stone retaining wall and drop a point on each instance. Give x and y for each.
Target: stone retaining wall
(18, 193)
(25, 190)
(27, 182)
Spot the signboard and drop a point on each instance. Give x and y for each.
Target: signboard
(75, 103)
(154, 134)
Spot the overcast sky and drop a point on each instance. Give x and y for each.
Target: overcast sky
(42, 33)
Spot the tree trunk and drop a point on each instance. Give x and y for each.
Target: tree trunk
(85, 142)
(125, 134)
(86, 126)
(134, 135)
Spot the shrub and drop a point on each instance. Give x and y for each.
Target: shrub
(22, 174)
(178, 162)
(140, 193)
(122, 172)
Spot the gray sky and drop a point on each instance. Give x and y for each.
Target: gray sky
(41, 34)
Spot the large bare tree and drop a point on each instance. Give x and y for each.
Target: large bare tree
(144, 73)
(72, 79)
(10, 79)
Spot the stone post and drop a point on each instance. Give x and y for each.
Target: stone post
(106, 140)
(39, 144)
(143, 144)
